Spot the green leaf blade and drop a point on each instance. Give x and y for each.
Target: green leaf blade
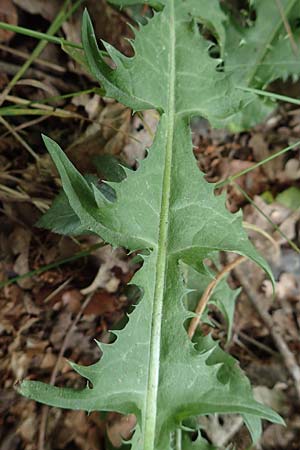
(262, 52)
(167, 208)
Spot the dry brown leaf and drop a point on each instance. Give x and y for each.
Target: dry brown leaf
(28, 428)
(287, 287)
(108, 136)
(20, 363)
(60, 329)
(292, 169)
(141, 130)
(48, 361)
(261, 151)
(72, 300)
(101, 303)
(280, 215)
(20, 243)
(275, 437)
(286, 324)
(108, 258)
(121, 429)
(48, 10)
(8, 14)
(221, 429)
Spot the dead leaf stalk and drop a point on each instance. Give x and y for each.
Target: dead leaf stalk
(208, 293)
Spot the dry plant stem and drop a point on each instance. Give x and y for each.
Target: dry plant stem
(24, 125)
(287, 27)
(37, 84)
(276, 227)
(8, 194)
(41, 106)
(57, 291)
(45, 409)
(19, 138)
(33, 72)
(58, 112)
(38, 61)
(257, 301)
(257, 344)
(265, 234)
(208, 292)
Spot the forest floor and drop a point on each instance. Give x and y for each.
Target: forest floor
(77, 290)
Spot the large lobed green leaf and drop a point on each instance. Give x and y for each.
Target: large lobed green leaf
(167, 208)
(262, 52)
(256, 53)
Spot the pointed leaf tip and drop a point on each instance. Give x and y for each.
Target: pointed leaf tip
(147, 369)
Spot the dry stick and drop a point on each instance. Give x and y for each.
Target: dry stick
(37, 84)
(257, 344)
(45, 409)
(19, 138)
(57, 291)
(24, 125)
(248, 338)
(41, 106)
(51, 110)
(287, 27)
(39, 61)
(276, 227)
(257, 301)
(54, 79)
(208, 292)
(12, 195)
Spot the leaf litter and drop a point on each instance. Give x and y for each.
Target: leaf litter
(32, 330)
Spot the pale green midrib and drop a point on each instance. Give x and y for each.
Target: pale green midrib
(149, 425)
(266, 48)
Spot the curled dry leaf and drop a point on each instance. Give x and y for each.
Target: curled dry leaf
(109, 258)
(121, 429)
(143, 130)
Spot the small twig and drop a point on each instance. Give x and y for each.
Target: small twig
(276, 227)
(37, 84)
(287, 27)
(57, 290)
(41, 62)
(247, 338)
(258, 344)
(257, 301)
(19, 138)
(34, 72)
(12, 195)
(24, 125)
(40, 108)
(265, 234)
(45, 409)
(208, 293)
